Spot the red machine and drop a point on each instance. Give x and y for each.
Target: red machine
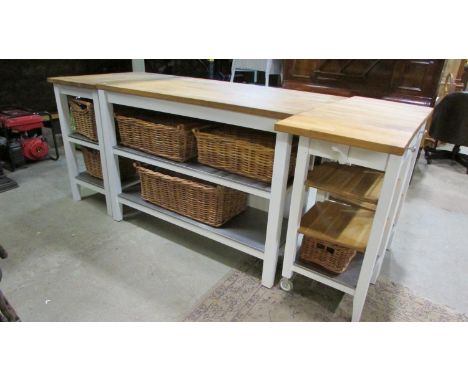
(20, 120)
(22, 137)
(34, 148)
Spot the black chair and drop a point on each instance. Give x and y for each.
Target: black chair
(450, 124)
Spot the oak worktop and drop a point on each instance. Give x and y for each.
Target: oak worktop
(263, 101)
(368, 123)
(92, 80)
(373, 124)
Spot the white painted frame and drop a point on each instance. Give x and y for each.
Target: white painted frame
(61, 95)
(276, 196)
(398, 171)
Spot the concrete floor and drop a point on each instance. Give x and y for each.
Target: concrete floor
(430, 251)
(71, 262)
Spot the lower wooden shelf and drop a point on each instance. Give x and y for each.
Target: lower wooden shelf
(338, 223)
(246, 232)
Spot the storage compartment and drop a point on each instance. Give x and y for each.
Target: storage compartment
(334, 258)
(83, 118)
(240, 150)
(159, 134)
(202, 201)
(92, 160)
(333, 233)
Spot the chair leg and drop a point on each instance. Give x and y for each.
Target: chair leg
(7, 310)
(233, 74)
(455, 155)
(460, 158)
(430, 154)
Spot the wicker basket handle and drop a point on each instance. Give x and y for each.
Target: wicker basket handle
(196, 130)
(79, 104)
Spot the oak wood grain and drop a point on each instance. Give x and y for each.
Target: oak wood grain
(372, 124)
(353, 183)
(245, 98)
(338, 223)
(91, 81)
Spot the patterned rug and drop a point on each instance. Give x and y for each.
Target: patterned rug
(240, 297)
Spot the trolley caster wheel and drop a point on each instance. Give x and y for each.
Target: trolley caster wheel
(286, 284)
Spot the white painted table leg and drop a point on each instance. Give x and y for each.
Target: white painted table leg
(414, 157)
(70, 155)
(297, 205)
(111, 160)
(100, 134)
(391, 218)
(408, 166)
(381, 220)
(276, 207)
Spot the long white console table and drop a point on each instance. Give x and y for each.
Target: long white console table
(256, 232)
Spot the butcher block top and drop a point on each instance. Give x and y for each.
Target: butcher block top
(263, 101)
(91, 81)
(368, 123)
(372, 124)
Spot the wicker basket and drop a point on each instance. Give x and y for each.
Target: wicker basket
(82, 112)
(164, 135)
(332, 257)
(239, 150)
(92, 160)
(202, 201)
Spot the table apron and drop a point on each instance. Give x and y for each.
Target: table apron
(194, 111)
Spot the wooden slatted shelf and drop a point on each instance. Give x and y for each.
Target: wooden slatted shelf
(339, 224)
(358, 185)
